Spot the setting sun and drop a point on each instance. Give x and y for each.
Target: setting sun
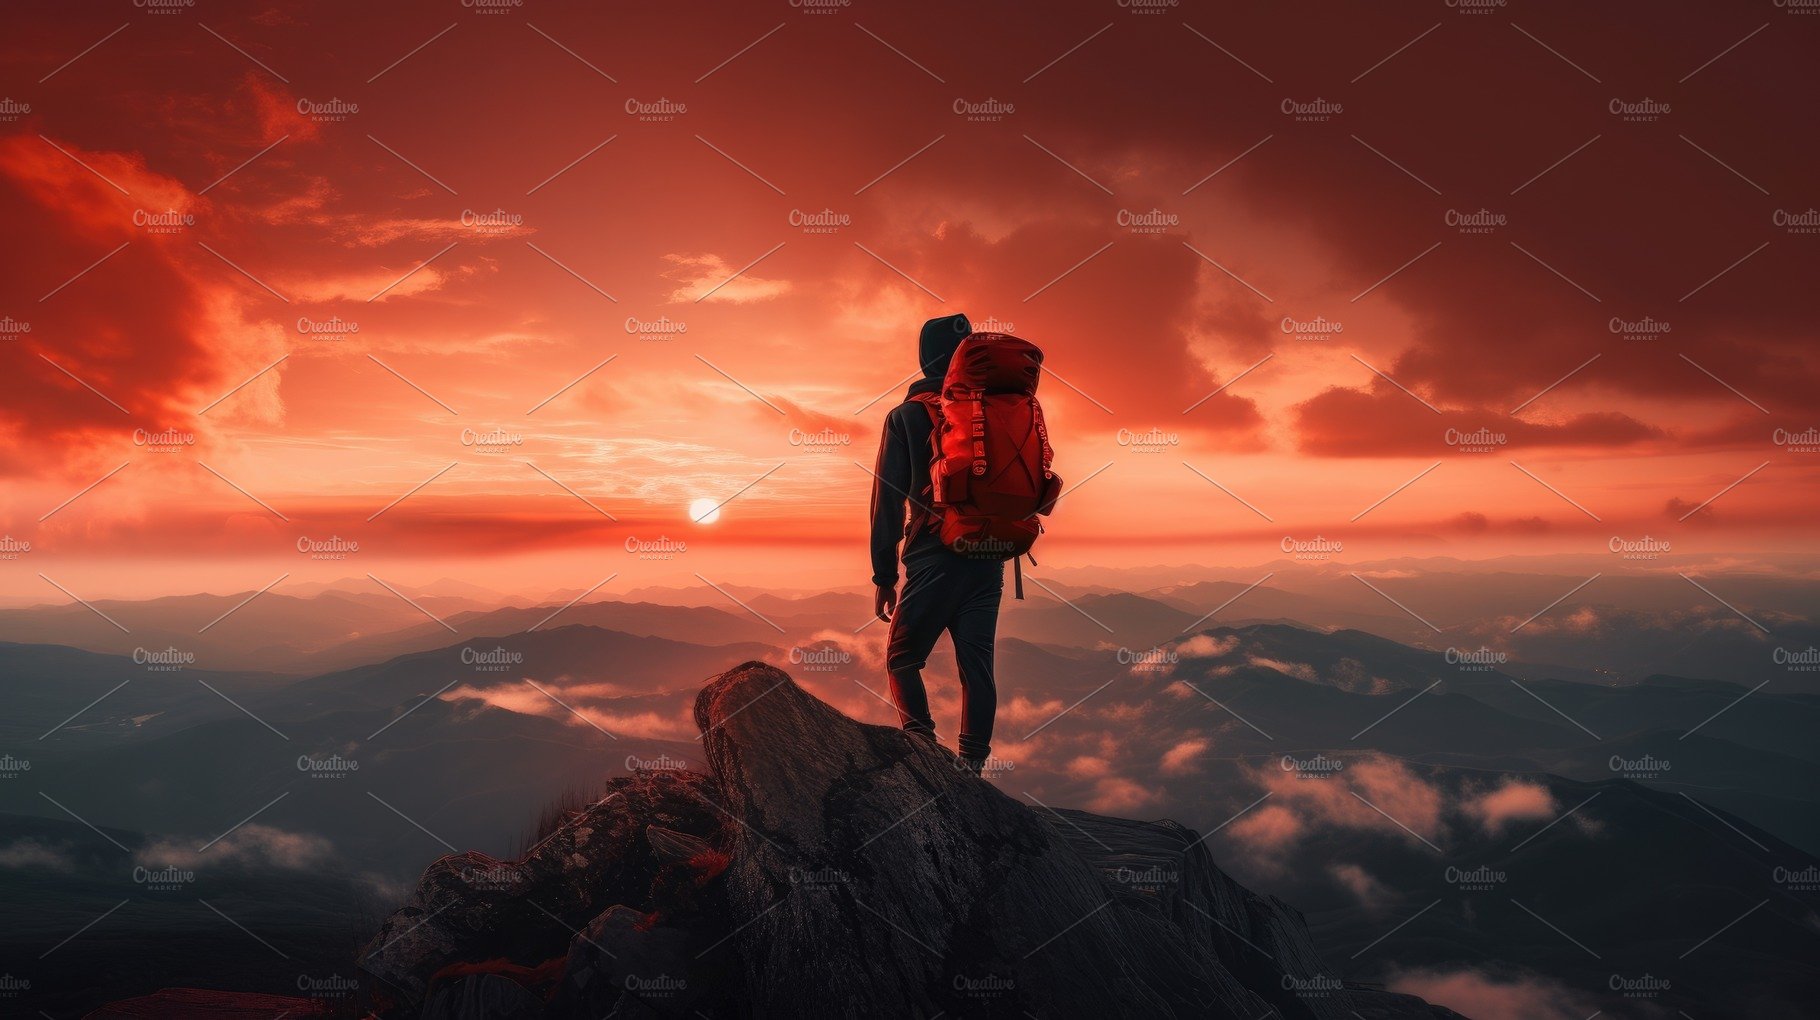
(704, 511)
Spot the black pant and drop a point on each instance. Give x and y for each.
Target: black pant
(946, 591)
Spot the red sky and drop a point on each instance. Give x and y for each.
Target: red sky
(443, 119)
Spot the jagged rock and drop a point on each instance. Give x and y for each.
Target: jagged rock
(828, 868)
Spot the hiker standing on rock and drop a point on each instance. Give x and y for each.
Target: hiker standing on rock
(963, 471)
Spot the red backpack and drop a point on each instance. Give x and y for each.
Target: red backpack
(990, 474)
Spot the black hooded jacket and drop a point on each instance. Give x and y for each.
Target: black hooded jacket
(901, 473)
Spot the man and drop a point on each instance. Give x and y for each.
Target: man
(943, 591)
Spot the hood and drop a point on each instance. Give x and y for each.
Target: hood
(939, 338)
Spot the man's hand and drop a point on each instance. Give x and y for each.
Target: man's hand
(884, 602)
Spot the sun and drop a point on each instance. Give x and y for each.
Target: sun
(704, 511)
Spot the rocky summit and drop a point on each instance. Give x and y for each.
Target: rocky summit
(826, 868)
